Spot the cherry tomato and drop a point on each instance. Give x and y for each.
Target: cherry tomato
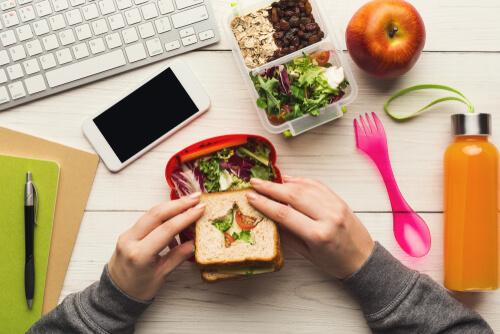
(321, 58)
(242, 221)
(275, 119)
(228, 240)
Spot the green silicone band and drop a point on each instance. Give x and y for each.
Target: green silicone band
(429, 86)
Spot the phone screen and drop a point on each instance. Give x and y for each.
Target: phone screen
(145, 115)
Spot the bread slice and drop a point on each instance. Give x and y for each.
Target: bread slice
(211, 252)
(215, 276)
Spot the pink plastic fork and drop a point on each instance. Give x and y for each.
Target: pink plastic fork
(410, 230)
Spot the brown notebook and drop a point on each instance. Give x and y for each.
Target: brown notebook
(75, 180)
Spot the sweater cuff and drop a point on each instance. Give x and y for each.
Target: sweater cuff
(379, 281)
(109, 307)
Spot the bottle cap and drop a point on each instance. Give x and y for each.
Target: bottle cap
(471, 124)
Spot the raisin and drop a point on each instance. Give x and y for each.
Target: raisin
(294, 21)
(314, 39)
(286, 50)
(302, 7)
(277, 26)
(297, 11)
(303, 14)
(305, 20)
(308, 7)
(275, 4)
(300, 47)
(279, 43)
(276, 52)
(293, 48)
(311, 26)
(300, 33)
(274, 16)
(307, 35)
(321, 34)
(296, 41)
(289, 13)
(280, 12)
(283, 2)
(285, 25)
(304, 43)
(270, 59)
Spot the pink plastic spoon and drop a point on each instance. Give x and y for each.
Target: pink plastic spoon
(410, 230)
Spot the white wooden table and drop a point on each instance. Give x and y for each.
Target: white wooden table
(462, 51)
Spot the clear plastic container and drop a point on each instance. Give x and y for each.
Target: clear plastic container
(328, 43)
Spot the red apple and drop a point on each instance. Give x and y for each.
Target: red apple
(386, 37)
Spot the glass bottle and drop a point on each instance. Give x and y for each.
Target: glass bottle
(471, 232)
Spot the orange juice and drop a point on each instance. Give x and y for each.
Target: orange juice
(471, 232)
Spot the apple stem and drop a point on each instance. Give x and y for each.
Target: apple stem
(393, 31)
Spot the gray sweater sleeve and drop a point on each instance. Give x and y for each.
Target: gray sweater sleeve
(396, 299)
(100, 308)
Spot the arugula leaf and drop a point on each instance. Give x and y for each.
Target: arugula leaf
(261, 172)
(243, 235)
(224, 224)
(211, 170)
(244, 152)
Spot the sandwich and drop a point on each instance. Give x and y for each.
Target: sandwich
(234, 240)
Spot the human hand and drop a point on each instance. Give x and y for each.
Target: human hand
(319, 225)
(136, 266)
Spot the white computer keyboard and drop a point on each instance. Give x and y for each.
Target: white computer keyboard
(52, 45)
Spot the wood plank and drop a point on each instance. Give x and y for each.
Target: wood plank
(451, 25)
(299, 299)
(327, 153)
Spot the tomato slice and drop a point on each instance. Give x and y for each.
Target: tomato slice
(321, 58)
(243, 220)
(228, 240)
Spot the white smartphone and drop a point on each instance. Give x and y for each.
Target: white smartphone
(145, 116)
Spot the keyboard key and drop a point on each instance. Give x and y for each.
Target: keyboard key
(154, 47)
(4, 57)
(24, 32)
(64, 56)
(4, 5)
(130, 35)
(135, 52)
(80, 50)
(17, 90)
(107, 7)
(7, 37)
(97, 45)
(83, 32)
(75, 3)
(113, 40)
(27, 13)
(15, 71)
(116, 21)
(4, 96)
(165, 6)
(85, 68)
(189, 17)
(35, 84)
(34, 47)
(181, 4)
(60, 5)
(100, 27)
(138, 2)
(67, 37)
(90, 11)
(149, 11)
(146, 30)
(57, 22)
(31, 66)
(41, 27)
(17, 53)
(3, 76)
(186, 32)
(10, 19)
(74, 17)
(43, 8)
(122, 4)
(207, 34)
(133, 16)
(172, 45)
(163, 25)
(189, 40)
(50, 42)
(48, 61)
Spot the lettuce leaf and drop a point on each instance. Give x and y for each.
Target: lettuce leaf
(224, 224)
(211, 170)
(261, 172)
(243, 235)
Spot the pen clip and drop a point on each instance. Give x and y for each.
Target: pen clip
(36, 203)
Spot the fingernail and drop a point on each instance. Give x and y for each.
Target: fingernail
(256, 181)
(287, 178)
(200, 206)
(251, 196)
(196, 195)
